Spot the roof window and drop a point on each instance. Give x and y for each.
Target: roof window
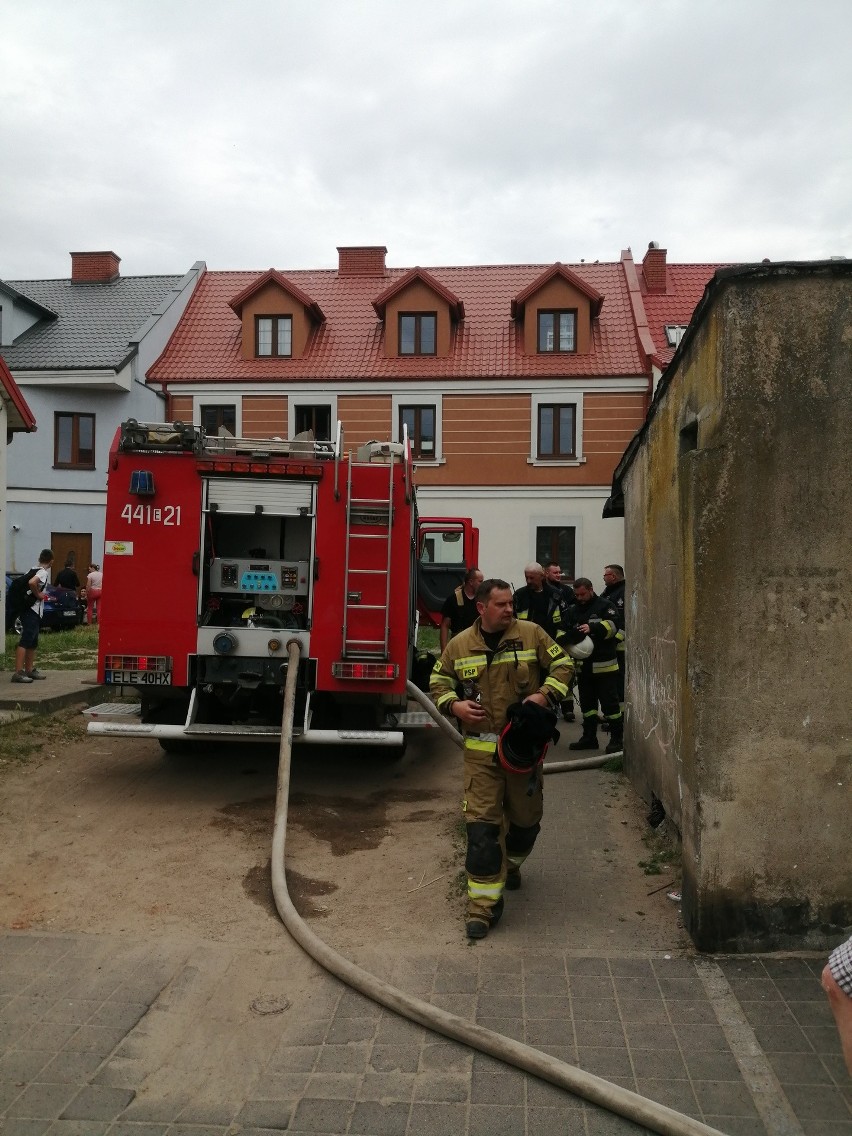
(674, 333)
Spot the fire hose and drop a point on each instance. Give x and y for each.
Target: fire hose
(612, 1097)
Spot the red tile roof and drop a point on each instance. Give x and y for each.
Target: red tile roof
(310, 305)
(685, 284)
(455, 304)
(349, 344)
(595, 298)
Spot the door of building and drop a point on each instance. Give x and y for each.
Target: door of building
(65, 544)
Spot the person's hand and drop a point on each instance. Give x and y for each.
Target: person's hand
(584, 627)
(538, 698)
(466, 710)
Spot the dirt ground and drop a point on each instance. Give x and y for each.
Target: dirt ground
(112, 836)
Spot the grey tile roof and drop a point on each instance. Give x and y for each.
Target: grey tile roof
(95, 325)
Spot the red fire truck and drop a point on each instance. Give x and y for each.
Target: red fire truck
(219, 550)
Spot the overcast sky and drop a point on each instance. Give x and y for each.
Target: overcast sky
(256, 133)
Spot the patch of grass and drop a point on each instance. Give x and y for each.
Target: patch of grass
(664, 853)
(615, 764)
(49, 733)
(73, 650)
(428, 639)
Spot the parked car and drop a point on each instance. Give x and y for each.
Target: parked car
(61, 608)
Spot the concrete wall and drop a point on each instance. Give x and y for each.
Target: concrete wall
(738, 516)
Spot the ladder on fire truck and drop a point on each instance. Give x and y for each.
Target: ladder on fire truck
(371, 513)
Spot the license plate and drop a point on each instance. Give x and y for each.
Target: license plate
(139, 678)
(72, 614)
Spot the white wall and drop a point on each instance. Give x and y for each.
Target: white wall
(507, 519)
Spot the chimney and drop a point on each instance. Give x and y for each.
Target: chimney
(654, 268)
(94, 267)
(361, 260)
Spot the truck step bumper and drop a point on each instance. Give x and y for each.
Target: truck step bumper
(123, 720)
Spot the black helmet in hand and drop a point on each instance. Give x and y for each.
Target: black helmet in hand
(524, 739)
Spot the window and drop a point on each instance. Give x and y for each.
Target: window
(444, 547)
(556, 431)
(674, 333)
(420, 421)
(274, 335)
(417, 333)
(215, 418)
(316, 418)
(555, 544)
(74, 441)
(419, 410)
(557, 331)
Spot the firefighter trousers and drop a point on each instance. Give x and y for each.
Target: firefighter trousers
(598, 688)
(502, 813)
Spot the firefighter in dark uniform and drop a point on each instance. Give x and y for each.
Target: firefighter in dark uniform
(614, 592)
(498, 662)
(540, 602)
(598, 679)
(553, 577)
(459, 610)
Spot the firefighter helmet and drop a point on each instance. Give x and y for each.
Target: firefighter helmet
(523, 741)
(578, 645)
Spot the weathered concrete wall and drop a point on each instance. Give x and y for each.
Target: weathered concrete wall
(738, 511)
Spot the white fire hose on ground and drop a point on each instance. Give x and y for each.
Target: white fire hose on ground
(449, 729)
(616, 1099)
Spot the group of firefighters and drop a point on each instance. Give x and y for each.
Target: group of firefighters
(507, 667)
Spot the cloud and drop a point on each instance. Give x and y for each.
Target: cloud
(482, 131)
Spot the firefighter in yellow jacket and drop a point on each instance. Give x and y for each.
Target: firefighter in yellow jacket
(498, 662)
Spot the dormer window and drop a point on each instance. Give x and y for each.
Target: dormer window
(420, 315)
(557, 313)
(279, 336)
(557, 331)
(274, 335)
(417, 333)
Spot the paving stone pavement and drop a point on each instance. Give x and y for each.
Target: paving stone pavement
(106, 1036)
(744, 1044)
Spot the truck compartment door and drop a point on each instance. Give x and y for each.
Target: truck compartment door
(446, 548)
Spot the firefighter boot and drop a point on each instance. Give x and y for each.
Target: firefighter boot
(616, 736)
(589, 740)
(477, 928)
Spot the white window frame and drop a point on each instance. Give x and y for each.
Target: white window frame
(218, 398)
(559, 520)
(556, 398)
(414, 397)
(317, 398)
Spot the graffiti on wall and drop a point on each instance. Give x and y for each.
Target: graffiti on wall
(655, 692)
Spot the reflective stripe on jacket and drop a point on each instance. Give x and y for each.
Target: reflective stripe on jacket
(526, 661)
(605, 623)
(557, 607)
